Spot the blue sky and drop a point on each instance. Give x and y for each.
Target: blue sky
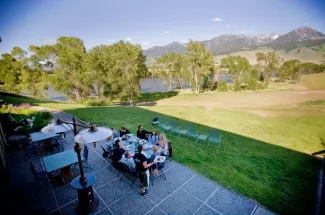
(149, 22)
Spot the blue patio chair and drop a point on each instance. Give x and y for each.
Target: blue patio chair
(39, 175)
(203, 137)
(180, 131)
(192, 133)
(168, 126)
(214, 137)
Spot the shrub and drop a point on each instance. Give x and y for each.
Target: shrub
(96, 103)
(222, 86)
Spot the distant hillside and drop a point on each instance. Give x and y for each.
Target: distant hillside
(301, 37)
(225, 44)
(302, 54)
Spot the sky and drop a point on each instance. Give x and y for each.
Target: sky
(149, 22)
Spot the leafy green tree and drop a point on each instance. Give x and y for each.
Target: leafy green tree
(128, 66)
(252, 82)
(201, 63)
(222, 86)
(238, 69)
(290, 69)
(70, 76)
(170, 64)
(267, 64)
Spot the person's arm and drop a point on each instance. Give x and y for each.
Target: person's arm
(146, 165)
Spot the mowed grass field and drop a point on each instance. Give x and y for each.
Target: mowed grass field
(266, 139)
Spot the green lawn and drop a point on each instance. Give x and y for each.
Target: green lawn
(314, 82)
(262, 156)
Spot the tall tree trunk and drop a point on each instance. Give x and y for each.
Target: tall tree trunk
(196, 82)
(170, 82)
(130, 99)
(180, 82)
(98, 91)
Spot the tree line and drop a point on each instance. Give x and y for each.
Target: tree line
(197, 70)
(115, 70)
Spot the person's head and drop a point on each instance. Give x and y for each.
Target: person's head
(117, 143)
(140, 148)
(140, 128)
(155, 149)
(128, 154)
(113, 129)
(123, 129)
(154, 132)
(162, 136)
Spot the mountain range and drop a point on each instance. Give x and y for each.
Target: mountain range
(225, 44)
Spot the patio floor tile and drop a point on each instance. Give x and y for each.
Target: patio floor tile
(262, 211)
(43, 204)
(179, 174)
(96, 165)
(156, 211)
(114, 191)
(65, 194)
(133, 203)
(205, 210)
(200, 187)
(180, 202)
(104, 176)
(228, 202)
(106, 211)
(161, 189)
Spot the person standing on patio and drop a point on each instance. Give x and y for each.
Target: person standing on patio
(153, 137)
(141, 133)
(163, 143)
(142, 166)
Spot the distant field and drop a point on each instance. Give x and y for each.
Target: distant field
(302, 54)
(314, 82)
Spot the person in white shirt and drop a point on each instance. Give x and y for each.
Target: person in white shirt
(127, 159)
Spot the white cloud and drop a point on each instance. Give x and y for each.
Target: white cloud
(50, 42)
(111, 41)
(228, 26)
(166, 32)
(144, 43)
(242, 32)
(216, 19)
(128, 39)
(184, 41)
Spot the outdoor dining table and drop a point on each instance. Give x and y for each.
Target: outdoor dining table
(40, 136)
(130, 144)
(60, 160)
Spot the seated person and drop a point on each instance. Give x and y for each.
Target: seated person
(128, 160)
(153, 137)
(115, 133)
(124, 131)
(163, 143)
(141, 133)
(154, 167)
(118, 151)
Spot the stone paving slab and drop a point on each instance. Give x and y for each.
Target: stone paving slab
(205, 210)
(228, 202)
(262, 211)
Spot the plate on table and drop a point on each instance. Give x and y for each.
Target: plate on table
(160, 159)
(126, 148)
(141, 142)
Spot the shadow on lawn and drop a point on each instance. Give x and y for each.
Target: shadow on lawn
(283, 180)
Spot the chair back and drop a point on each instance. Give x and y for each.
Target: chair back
(172, 123)
(86, 150)
(214, 133)
(105, 153)
(32, 168)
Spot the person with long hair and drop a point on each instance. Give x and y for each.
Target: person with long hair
(141, 167)
(163, 143)
(153, 137)
(141, 133)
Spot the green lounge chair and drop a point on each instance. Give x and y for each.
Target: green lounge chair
(214, 137)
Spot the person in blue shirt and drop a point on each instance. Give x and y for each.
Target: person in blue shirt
(153, 137)
(115, 133)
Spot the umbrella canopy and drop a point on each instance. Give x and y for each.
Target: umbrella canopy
(56, 128)
(93, 135)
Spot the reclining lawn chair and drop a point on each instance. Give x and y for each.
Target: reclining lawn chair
(156, 121)
(192, 133)
(180, 131)
(214, 137)
(168, 126)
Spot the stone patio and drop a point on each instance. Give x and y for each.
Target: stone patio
(183, 192)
